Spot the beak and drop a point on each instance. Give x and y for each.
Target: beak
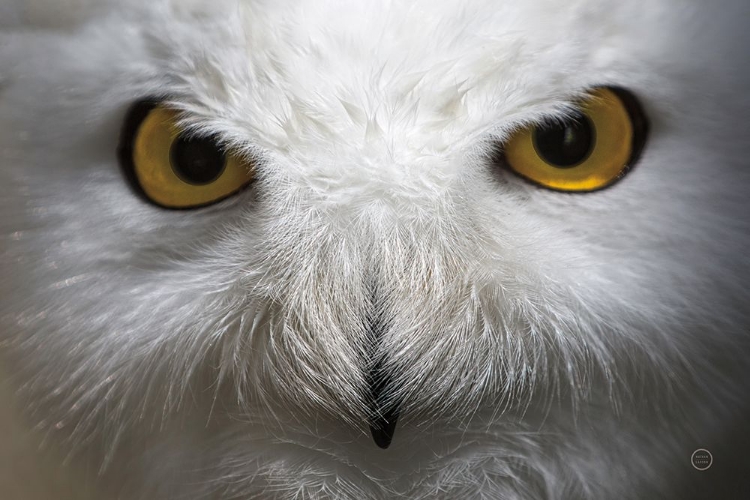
(383, 428)
(383, 410)
(384, 413)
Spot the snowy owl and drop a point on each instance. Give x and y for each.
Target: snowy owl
(325, 249)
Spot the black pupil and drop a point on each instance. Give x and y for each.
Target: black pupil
(565, 145)
(197, 160)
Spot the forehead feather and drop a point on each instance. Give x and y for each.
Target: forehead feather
(293, 73)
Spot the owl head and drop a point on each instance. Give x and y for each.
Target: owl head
(296, 224)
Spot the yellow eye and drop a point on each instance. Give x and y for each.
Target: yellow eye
(586, 152)
(175, 169)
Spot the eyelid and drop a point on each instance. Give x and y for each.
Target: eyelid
(134, 117)
(149, 135)
(618, 134)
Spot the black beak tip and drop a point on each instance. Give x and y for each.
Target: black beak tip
(383, 433)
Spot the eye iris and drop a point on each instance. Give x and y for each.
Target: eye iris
(565, 145)
(196, 160)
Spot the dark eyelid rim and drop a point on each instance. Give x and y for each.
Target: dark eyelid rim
(134, 118)
(641, 129)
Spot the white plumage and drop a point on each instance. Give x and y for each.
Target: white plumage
(542, 344)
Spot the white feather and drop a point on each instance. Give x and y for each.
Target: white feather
(544, 345)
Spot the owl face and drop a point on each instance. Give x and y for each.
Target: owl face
(480, 222)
